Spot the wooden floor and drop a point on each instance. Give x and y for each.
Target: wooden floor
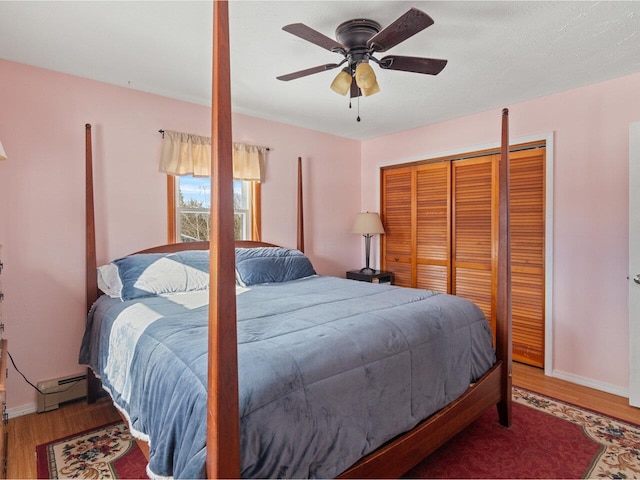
(27, 431)
(30, 430)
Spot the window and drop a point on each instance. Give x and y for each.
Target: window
(190, 201)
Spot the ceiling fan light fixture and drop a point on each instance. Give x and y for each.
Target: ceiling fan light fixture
(375, 88)
(365, 76)
(342, 83)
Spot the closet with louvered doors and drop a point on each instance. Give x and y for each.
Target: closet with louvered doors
(441, 226)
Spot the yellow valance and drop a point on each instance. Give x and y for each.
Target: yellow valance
(188, 154)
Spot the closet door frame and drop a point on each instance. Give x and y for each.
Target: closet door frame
(548, 138)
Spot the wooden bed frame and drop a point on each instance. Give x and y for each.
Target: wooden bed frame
(223, 437)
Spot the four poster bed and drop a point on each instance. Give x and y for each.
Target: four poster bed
(296, 374)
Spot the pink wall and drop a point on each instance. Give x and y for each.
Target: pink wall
(42, 118)
(591, 226)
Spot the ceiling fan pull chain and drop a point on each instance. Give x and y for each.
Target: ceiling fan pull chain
(358, 119)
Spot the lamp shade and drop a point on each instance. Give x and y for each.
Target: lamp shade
(367, 224)
(3, 156)
(342, 83)
(375, 88)
(366, 79)
(365, 76)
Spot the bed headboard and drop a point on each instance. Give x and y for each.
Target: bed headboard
(179, 247)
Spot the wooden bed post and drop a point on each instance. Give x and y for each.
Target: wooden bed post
(90, 224)
(300, 208)
(223, 430)
(503, 325)
(91, 264)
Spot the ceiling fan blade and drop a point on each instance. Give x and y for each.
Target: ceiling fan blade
(430, 66)
(404, 27)
(308, 71)
(313, 36)
(355, 90)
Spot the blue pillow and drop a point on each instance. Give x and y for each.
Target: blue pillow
(149, 274)
(270, 265)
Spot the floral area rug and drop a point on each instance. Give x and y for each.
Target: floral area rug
(619, 442)
(548, 439)
(103, 453)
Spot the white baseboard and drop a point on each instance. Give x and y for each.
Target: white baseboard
(22, 410)
(587, 382)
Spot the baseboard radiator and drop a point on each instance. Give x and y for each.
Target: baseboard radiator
(61, 390)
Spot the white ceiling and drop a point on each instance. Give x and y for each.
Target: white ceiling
(499, 53)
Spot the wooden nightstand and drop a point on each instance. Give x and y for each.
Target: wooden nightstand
(375, 276)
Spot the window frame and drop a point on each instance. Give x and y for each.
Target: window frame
(172, 218)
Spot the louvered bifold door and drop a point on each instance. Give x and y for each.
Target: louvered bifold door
(441, 230)
(474, 232)
(398, 212)
(433, 227)
(527, 193)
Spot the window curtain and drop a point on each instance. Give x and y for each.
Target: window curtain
(248, 161)
(188, 154)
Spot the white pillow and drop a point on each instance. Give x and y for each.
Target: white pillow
(109, 280)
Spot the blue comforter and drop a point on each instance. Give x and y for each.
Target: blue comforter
(329, 369)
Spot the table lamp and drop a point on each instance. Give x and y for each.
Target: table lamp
(367, 224)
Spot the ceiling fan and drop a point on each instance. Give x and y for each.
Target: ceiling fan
(358, 41)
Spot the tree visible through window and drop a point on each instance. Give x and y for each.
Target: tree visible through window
(191, 215)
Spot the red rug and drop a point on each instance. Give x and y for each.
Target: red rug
(548, 439)
(105, 452)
